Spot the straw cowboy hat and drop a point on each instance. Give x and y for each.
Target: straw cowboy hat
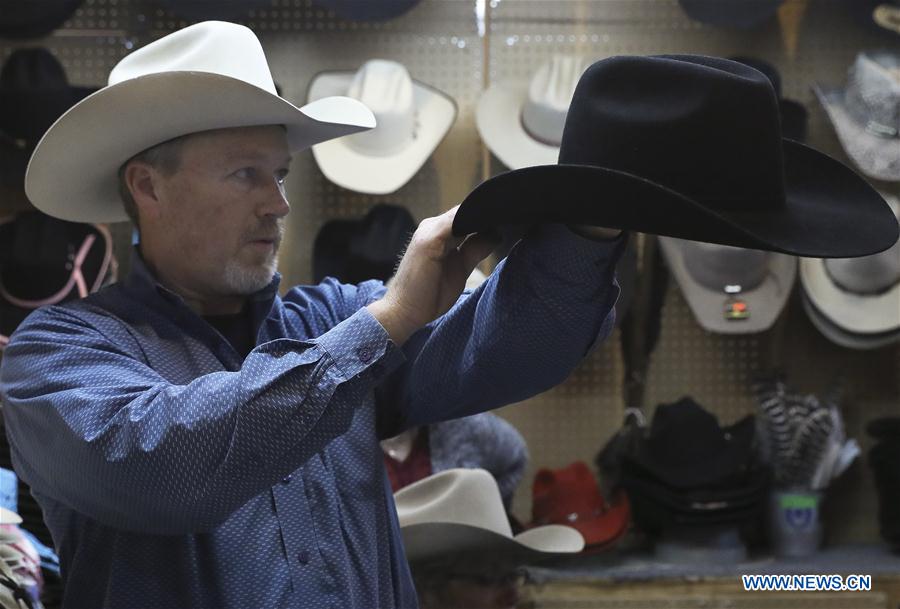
(460, 511)
(691, 147)
(211, 75)
(412, 120)
(522, 122)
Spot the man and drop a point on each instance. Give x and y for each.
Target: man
(194, 439)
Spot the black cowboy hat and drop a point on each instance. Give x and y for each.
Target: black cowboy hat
(34, 18)
(686, 448)
(34, 93)
(793, 114)
(690, 147)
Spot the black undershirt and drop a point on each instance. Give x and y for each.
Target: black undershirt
(237, 330)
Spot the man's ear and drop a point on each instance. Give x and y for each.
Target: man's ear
(144, 182)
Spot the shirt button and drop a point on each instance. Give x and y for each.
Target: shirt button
(287, 479)
(365, 354)
(303, 557)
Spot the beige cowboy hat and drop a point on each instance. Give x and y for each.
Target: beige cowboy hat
(859, 296)
(210, 75)
(460, 511)
(412, 119)
(730, 290)
(522, 122)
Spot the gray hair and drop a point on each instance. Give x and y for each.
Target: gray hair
(165, 157)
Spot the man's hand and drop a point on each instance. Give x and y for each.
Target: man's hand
(430, 277)
(596, 233)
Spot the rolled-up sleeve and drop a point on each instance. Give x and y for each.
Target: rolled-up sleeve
(520, 333)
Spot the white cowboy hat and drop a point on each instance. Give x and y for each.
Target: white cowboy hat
(412, 119)
(839, 336)
(858, 295)
(461, 511)
(206, 76)
(714, 279)
(522, 122)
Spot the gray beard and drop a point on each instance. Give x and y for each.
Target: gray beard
(247, 280)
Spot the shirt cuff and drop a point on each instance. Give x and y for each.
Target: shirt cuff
(582, 258)
(359, 346)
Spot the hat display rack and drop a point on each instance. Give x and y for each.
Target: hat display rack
(461, 47)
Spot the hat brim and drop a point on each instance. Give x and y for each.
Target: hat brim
(875, 156)
(429, 541)
(498, 118)
(606, 529)
(857, 313)
(382, 174)
(764, 302)
(824, 199)
(842, 337)
(72, 174)
(8, 516)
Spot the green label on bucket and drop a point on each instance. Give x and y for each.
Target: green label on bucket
(796, 502)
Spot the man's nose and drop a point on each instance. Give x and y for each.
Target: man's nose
(275, 201)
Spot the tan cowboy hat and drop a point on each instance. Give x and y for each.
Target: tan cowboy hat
(412, 119)
(521, 122)
(211, 75)
(458, 511)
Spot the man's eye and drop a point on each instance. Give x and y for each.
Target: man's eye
(280, 177)
(244, 174)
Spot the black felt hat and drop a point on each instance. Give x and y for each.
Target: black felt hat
(793, 114)
(34, 93)
(687, 449)
(356, 250)
(690, 147)
(34, 18)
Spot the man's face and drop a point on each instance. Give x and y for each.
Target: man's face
(220, 216)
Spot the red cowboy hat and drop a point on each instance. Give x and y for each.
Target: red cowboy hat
(570, 496)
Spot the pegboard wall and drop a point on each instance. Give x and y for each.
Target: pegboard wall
(460, 46)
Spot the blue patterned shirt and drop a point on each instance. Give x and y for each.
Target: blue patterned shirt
(174, 473)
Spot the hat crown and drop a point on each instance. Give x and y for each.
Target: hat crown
(215, 47)
(558, 493)
(549, 96)
(686, 433)
(872, 95)
(460, 496)
(386, 88)
(717, 266)
(868, 274)
(661, 117)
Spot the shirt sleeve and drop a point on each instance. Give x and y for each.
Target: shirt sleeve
(520, 333)
(147, 455)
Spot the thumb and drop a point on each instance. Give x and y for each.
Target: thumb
(478, 247)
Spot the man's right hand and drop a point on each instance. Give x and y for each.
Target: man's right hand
(430, 277)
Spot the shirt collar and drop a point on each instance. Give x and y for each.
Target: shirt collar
(143, 283)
